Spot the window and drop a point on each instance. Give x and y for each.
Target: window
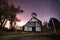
(33, 24)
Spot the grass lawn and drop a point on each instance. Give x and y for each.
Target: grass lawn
(34, 35)
(13, 33)
(24, 33)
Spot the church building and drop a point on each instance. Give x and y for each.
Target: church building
(33, 24)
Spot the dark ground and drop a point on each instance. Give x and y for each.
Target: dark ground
(30, 37)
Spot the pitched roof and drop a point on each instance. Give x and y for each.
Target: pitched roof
(34, 21)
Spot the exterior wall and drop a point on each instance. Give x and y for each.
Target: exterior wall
(30, 29)
(38, 29)
(33, 19)
(26, 28)
(38, 24)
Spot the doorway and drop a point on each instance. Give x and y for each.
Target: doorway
(33, 29)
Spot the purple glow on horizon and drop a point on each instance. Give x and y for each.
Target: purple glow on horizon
(43, 8)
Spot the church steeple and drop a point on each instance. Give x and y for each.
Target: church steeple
(34, 14)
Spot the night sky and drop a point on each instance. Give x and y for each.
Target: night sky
(43, 8)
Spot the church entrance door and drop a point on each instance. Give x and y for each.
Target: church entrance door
(33, 29)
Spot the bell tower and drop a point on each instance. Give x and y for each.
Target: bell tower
(34, 14)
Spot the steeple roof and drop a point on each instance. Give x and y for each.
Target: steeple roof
(34, 14)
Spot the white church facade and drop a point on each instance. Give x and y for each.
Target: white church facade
(33, 24)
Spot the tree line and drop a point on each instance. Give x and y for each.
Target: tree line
(8, 12)
(52, 25)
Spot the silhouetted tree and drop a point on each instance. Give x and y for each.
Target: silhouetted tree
(3, 11)
(56, 23)
(46, 27)
(13, 11)
(8, 12)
